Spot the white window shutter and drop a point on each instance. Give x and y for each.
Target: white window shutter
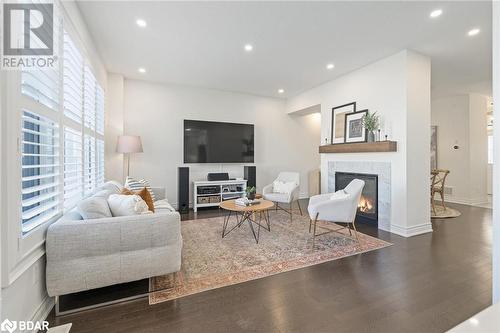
(90, 164)
(89, 98)
(40, 170)
(72, 80)
(73, 167)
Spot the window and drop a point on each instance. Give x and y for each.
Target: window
(100, 162)
(40, 170)
(90, 166)
(89, 100)
(42, 86)
(72, 81)
(99, 98)
(62, 137)
(73, 167)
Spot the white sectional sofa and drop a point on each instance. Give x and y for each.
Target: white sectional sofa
(87, 254)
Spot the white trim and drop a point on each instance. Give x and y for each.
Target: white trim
(466, 201)
(411, 231)
(24, 264)
(43, 310)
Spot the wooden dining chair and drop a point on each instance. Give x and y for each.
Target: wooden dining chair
(438, 179)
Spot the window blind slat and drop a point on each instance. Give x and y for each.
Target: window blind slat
(40, 169)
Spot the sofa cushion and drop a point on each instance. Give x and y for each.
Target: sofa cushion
(95, 207)
(144, 194)
(137, 185)
(103, 194)
(113, 186)
(72, 215)
(126, 205)
(163, 206)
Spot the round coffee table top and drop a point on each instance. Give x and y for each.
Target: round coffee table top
(231, 205)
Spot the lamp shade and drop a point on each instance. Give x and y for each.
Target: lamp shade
(129, 144)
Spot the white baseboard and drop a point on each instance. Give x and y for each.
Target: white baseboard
(43, 310)
(411, 231)
(466, 201)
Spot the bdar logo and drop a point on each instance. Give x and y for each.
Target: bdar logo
(8, 326)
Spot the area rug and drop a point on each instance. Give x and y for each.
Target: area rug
(210, 261)
(444, 213)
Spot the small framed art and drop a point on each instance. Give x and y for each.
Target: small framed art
(354, 129)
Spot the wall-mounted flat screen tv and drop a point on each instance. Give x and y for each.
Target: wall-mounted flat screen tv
(218, 142)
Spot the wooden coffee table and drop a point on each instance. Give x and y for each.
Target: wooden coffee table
(247, 213)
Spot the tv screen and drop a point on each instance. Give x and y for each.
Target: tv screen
(217, 142)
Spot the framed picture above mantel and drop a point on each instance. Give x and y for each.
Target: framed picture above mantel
(338, 121)
(354, 128)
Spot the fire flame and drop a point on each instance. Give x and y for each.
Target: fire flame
(365, 205)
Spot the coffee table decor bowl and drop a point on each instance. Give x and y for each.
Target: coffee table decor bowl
(256, 214)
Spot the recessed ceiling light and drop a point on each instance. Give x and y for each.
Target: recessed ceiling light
(141, 23)
(280, 91)
(330, 66)
(474, 32)
(248, 47)
(436, 13)
(142, 70)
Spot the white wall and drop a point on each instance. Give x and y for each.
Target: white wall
(23, 293)
(114, 127)
(156, 113)
(496, 155)
(461, 121)
(398, 88)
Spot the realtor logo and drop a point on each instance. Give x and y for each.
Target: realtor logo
(8, 326)
(29, 29)
(28, 35)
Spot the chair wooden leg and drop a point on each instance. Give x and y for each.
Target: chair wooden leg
(310, 223)
(314, 229)
(442, 199)
(349, 228)
(355, 231)
(433, 204)
(300, 209)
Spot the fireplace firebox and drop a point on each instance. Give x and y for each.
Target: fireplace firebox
(368, 204)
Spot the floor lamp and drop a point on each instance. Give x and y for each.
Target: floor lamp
(129, 144)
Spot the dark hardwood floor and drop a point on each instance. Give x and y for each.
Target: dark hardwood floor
(427, 283)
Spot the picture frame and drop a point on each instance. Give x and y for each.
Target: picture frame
(354, 129)
(338, 121)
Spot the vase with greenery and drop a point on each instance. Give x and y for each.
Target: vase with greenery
(251, 192)
(371, 122)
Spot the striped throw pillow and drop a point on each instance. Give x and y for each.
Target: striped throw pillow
(137, 185)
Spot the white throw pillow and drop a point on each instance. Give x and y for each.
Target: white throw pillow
(113, 186)
(137, 185)
(127, 205)
(283, 187)
(95, 207)
(340, 194)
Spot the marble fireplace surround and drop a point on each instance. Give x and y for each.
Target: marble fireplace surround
(383, 170)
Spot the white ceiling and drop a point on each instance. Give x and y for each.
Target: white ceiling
(201, 43)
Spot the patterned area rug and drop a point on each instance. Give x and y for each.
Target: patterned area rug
(210, 261)
(442, 213)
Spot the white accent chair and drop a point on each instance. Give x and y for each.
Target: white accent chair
(343, 210)
(284, 198)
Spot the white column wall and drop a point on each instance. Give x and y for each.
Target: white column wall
(496, 162)
(398, 88)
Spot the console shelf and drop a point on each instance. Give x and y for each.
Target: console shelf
(219, 191)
